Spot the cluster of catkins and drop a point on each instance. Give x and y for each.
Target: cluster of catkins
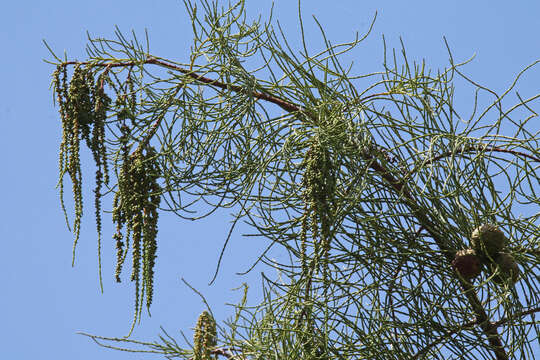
(487, 252)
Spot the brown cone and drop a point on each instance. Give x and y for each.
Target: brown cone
(488, 240)
(467, 264)
(508, 270)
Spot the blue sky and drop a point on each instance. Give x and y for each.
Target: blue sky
(46, 301)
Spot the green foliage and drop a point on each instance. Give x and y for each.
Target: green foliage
(371, 189)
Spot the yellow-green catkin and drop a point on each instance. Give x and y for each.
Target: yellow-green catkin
(319, 188)
(60, 89)
(135, 207)
(84, 107)
(303, 239)
(204, 337)
(119, 216)
(78, 119)
(82, 110)
(101, 103)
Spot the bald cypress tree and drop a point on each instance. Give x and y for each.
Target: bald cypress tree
(397, 211)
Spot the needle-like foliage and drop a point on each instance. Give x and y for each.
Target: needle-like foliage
(371, 183)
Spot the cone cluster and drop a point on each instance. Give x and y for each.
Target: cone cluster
(488, 251)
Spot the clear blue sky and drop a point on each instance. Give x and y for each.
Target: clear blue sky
(45, 301)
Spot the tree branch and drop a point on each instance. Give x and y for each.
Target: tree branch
(470, 324)
(398, 185)
(474, 148)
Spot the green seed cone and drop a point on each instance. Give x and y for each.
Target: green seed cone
(488, 240)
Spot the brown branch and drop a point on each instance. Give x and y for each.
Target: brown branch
(223, 352)
(474, 148)
(390, 291)
(227, 352)
(469, 325)
(285, 105)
